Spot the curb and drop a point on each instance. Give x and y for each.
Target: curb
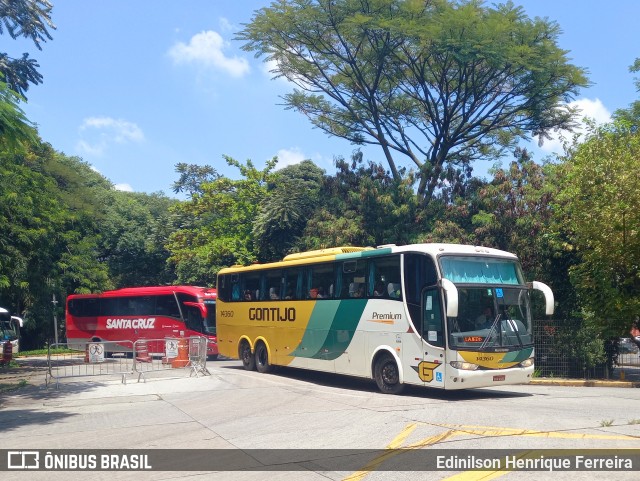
(585, 383)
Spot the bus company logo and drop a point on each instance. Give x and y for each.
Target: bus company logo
(140, 323)
(425, 370)
(23, 460)
(272, 314)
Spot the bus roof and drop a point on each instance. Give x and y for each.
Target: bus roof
(344, 253)
(206, 292)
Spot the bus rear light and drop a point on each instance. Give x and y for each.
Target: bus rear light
(464, 366)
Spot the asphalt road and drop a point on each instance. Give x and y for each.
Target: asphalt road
(300, 413)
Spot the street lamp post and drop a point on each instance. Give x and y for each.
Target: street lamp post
(55, 319)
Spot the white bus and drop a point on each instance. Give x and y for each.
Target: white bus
(439, 315)
(10, 329)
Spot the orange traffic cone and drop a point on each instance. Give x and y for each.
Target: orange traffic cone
(142, 352)
(183, 354)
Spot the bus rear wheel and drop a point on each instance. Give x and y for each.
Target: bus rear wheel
(246, 356)
(262, 358)
(387, 375)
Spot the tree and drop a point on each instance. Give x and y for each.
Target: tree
(15, 128)
(48, 243)
(28, 19)
(441, 83)
(214, 228)
(598, 203)
(292, 197)
(361, 205)
(192, 177)
(133, 233)
(631, 114)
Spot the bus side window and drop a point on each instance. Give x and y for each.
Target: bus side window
(167, 306)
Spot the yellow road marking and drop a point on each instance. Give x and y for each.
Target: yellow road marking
(494, 431)
(459, 430)
(392, 447)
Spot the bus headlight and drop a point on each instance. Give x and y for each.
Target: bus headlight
(464, 366)
(527, 362)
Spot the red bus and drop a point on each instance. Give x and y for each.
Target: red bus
(137, 313)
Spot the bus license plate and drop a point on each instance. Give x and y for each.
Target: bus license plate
(501, 377)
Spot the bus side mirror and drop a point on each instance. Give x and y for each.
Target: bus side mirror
(451, 294)
(200, 306)
(548, 296)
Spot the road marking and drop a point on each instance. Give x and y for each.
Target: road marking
(496, 431)
(393, 451)
(395, 446)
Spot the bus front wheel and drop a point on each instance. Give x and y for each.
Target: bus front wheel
(246, 356)
(262, 358)
(387, 375)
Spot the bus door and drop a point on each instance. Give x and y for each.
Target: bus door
(431, 369)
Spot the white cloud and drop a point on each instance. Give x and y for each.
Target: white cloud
(123, 187)
(591, 109)
(288, 157)
(226, 25)
(105, 131)
(206, 49)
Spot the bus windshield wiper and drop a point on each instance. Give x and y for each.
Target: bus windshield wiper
(491, 330)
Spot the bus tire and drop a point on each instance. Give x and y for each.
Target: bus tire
(262, 358)
(212, 357)
(387, 375)
(246, 356)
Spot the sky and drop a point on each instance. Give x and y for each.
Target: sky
(136, 87)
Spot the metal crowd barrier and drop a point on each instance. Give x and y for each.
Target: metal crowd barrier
(91, 359)
(153, 355)
(125, 358)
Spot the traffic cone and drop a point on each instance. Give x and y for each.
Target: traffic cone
(142, 352)
(183, 354)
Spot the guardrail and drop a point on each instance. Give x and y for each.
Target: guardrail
(126, 358)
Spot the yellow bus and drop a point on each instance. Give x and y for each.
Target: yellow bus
(440, 315)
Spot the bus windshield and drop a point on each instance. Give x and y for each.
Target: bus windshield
(8, 331)
(491, 318)
(210, 321)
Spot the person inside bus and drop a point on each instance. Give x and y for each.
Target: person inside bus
(379, 290)
(321, 294)
(484, 320)
(272, 293)
(247, 295)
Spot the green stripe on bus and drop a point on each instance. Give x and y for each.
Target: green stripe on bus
(342, 329)
(358, 255)
(318, 327)
(517, 356)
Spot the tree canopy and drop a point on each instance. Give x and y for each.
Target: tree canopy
(29, 19)
(441, 83)
(598, 199)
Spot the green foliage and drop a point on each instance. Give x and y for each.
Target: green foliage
(439, 83)
(361, 205)
(292, 197)
(28, 19)
(133, 233)
(15, 128)
(598, 203)
(631, 114)
(214, 227)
